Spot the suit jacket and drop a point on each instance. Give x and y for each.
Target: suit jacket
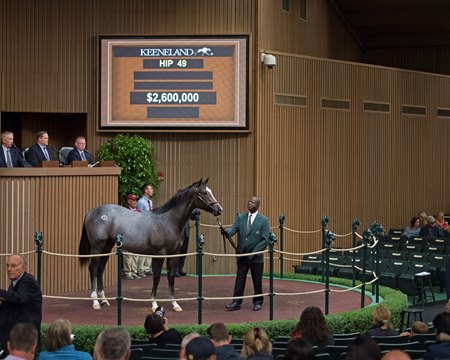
(16, 158)
(21, 304)
(254, 239)
(75, 155)
(35, 155)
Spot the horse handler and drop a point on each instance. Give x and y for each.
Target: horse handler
(253, 229)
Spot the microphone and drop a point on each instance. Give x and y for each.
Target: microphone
(18, 150)
(59, 153)
(92, 156)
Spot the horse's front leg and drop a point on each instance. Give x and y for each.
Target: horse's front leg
(93, 266)
(157, 264)
(172, 268)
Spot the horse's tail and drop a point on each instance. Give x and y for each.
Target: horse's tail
(85, 247)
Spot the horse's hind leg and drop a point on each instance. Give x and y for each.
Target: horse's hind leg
(101, 290)
(172, 268)
(93, 266)
(157, 264)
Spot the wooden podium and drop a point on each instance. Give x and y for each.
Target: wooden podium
(79, 163)
(49, 164)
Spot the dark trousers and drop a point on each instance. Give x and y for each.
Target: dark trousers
(183, 250)
(256, 270)
(447, 278)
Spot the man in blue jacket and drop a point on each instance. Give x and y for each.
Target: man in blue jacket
(253, 229)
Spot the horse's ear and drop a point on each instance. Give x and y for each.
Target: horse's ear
(206, 181)
(200, 182)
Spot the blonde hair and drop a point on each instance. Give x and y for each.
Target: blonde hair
(381, 316)
(255, 340)
(58, 335)
(419, 327)
(423, 217)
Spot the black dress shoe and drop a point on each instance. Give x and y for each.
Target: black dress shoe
(177, 274)
(233, 306)
(257, 307)
(182, 273)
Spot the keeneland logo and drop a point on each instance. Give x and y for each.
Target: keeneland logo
(146, 52)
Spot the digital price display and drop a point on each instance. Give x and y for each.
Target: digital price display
(174, 83)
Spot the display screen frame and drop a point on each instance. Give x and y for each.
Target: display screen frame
(179, 83)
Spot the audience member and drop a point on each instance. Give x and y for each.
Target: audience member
(22, 343)
(79, 153)
(59, 343)
(299, 349)
(313, 327)
(220, 337)
(257, 345)
(413, 229)
(130, 262)
(97, 352)
(363, 348)
(396, 355)
(431, 230)
(440, 221)
(145, 204)
(22, 302)
(184, 343)
(441, 349)
(157, 328)
(40, 151)
(10, 156)
(423, 218)
(418, 327)
(200, 348)
(115, 344)
(382, 327)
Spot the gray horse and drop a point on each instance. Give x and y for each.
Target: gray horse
(158, 232)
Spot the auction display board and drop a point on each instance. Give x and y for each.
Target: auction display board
(174, 83)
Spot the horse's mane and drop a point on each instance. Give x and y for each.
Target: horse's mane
(169, 204)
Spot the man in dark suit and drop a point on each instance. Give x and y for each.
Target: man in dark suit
(40, 151)
(22, 302)
(253, 229)
(79, 152)
(9, 155)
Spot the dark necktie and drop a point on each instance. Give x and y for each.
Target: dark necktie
(249, 223)
(46, 153)
(11, 287)
(8, 159)
(82, 156)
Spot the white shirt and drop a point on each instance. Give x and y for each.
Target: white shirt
(252, 216)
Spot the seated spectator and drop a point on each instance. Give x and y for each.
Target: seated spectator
(431, 230)
(441, 349)
(22, 342)
(257, 345)
(97, 352)
(59, 343)
(158, 331)
(423, 218)
(382, 327)
(299, 349)
(413, 229)
(396, 355)
(313, 327)
(115, 344)
(418, 327)
(184, 343)
(363, 348)
(200, 348)
(220, 337)
(440, 221)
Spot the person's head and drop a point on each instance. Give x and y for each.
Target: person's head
(381, 316)
(396, 355)
(253, 204)
(16, 265)
(184, 343)
(154, 324)
(440, 216)
(147, 190)
(80, 143)
(219, 334)
(200, 348)
(132, 201)
(431, 221)
(97, 352)
(419, 327)
(363, 347)
(415, 222)
(441, 324)
(23, 339)
(255, 340)
(115, 344)
(7, 139)
(299, 349)
(423, 217)
(42, 138)
(59, 334)
(312, 325)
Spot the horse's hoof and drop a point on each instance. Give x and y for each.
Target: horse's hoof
(105, 303)
(177, 308)
(96, 306)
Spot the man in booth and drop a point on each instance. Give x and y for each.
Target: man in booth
(40, 151)
(10, 156)
(79, 152)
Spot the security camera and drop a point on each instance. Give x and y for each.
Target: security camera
(269, 60)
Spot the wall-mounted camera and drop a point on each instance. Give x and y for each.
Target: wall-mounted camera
(268, 60)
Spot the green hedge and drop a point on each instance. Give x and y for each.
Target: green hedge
(345, 322)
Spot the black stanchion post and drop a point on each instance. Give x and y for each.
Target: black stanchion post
(329, 238)
(378, 231)
(281, 219)
(355, 225)
(119, 253)
(38, 239)
(324, 223)
(367, 237)
(200, 243)
(197, 224)
(272, 241)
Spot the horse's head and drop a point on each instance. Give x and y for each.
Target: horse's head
(205, 199)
